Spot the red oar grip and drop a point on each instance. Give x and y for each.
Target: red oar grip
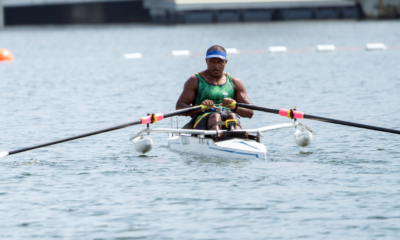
(153, 118)
(291, 114)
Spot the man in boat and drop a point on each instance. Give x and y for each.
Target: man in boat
(215, 89)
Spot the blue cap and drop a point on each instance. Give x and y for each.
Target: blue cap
(216, 54)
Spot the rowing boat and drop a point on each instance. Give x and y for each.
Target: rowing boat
(239, 144)
(230, 144)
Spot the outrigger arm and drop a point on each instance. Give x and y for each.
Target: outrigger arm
(303, 136)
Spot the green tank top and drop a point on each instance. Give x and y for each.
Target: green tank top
(214, 92)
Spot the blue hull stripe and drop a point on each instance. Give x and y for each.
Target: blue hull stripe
(251, 154)
(249, 145)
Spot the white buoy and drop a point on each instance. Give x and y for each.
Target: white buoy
(180, 53)
(232, 51)
(277, 49)
(326, 48)
(375, 47)
(302, 138)
(142, 145)
(133, 56)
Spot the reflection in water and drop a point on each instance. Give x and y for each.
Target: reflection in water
(198, 161)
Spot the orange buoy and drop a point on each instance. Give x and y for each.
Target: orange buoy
(5, 55)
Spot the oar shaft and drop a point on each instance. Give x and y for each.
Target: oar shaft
(183, 111)
(75, 137)
(254, 107)
(283, 112)
(174, 113)
(351, 124)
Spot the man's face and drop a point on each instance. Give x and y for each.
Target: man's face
(216, 66)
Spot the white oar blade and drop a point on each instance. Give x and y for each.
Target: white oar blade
(3, 154)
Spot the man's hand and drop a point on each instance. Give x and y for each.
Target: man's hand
(208, 103)
(226, 103)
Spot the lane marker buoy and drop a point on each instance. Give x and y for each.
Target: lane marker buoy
(232, 51)
(326, 48)
(179, 53)
(5, 55)
(133, 56)
(277, 49)
(273, 49)
(375, 47)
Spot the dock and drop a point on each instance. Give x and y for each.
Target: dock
(192, 11)
(26, 12)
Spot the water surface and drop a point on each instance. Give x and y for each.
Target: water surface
(74, 79)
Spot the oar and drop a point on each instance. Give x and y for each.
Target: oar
(300, 115)
(153, 118)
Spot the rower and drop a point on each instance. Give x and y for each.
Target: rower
(217, 90)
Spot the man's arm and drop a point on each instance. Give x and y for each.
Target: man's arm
(188, 95)
(241, 97)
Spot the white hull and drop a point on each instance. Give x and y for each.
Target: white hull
(228, 149)
(181, 140)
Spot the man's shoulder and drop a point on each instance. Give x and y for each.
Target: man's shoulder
(192, 82)
(235, 79)
(192, 79)
(194, 76)
(237, 83)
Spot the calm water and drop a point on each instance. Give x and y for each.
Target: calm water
(70, 80)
